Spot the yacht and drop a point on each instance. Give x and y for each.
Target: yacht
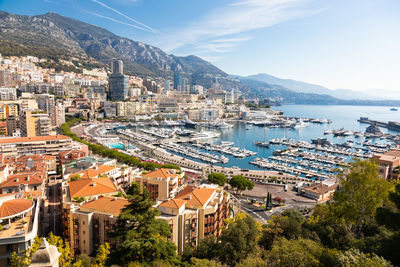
(204, 135)
(394, 109)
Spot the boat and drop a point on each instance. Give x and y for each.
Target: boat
(189, 123)
(262, 144)
(204, 135)
(394, 109)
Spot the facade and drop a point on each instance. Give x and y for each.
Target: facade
(7, 109)
(117, 82)
(50, 145)
(319, 191)
(34, 124)
(195, 213)
(177, 81)
(20, 220)
(86, 225)
(209, 114)
(8, 93)
(389, 164)
(162, 183)
(47, 104)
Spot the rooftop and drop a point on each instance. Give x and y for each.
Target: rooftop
(94, 172)
(91, 187)
(320, 188)
(108, 205)
(173, 203)
(161, 173)
(23, 178)
(33, 139)
(13, 207)
(196, 196)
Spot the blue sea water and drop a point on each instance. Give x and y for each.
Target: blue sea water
(244, 135)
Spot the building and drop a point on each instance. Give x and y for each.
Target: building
(195, 213)
(169, 85)
(8, 93)
(37, 124)
(47, 104)
(117, 66)
(7, 109)
(319, 191)
(13, 126)
(70, 155)
(162, 183)
(89, 188)
(86, 225)
(49, 145)
(177, 81)
(117, 82)
(110, 109)
(389, 164)
(19, 218)
(3, 128)
(209, 114)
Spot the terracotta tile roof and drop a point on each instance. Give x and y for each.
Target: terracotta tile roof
(320, 188)
(33, 139)
(195, 196)
(23, 178)
(14, 206)
(90, 187)
(161, 173)
(94, 172)
(73, 152)
(173, 203)
(108, 205)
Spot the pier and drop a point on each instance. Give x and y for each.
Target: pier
(391, 125)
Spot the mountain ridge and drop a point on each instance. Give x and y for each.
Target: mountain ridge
(304, 87)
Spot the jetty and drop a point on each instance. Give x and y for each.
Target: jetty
(391, 125)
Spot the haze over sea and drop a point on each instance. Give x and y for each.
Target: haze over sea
(244, 135)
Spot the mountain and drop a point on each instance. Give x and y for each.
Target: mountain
(303, 87)
(54, 36)
(264, 90)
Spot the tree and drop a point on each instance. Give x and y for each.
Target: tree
(238, 240)
(24, 259)
(217, 178)
(354, 257)
(390, 215)
(141, 237)
(300, 252)
(360, 194)
(101, 256)
(241, 183)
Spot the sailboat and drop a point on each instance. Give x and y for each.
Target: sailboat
(264, 143)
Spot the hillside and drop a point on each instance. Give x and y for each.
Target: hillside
(55, 36)
(303, 87)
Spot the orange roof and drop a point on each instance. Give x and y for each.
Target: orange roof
(22, 178)
(91, 187)
(33, 139)
(195, 196)
(14, 206)
(161, 173)
(94, 172)
(109, 205)
(173, 203)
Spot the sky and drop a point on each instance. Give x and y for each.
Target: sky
(340, 44)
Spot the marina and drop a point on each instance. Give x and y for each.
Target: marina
(310, 151)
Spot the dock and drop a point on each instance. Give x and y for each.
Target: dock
(391, 125)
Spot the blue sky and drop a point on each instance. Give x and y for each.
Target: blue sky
(352, 44)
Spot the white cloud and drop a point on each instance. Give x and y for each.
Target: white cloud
(222, 29)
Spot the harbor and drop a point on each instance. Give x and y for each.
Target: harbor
(315, 151)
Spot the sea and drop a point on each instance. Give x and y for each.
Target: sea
(244, 135)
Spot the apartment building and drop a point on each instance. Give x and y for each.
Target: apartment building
(19, 218)
(87, 224)
(389, 164)
(49, 145)
(37, 124)
(195, 213)
(89, 188)
(7, 109)
(162, 183)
